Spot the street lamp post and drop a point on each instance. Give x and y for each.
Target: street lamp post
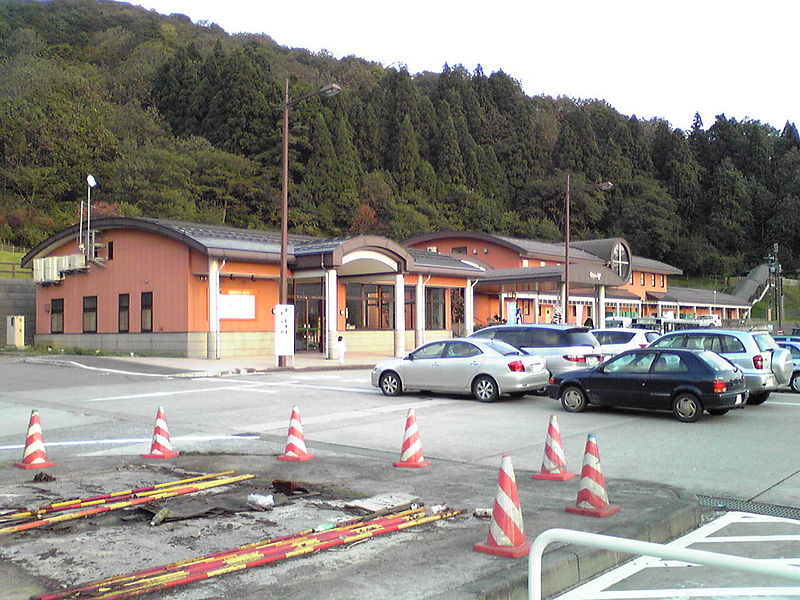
(329, 90)
(606, 185)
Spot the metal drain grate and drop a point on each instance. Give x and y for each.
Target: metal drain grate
(758, 508)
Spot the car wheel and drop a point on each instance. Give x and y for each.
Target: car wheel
(390, 384)
(795, 383)
(687, 408)
(718, 412)
(484, 388)
(756, 399)
(573, 399)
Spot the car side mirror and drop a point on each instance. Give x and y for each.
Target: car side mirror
(408, 356)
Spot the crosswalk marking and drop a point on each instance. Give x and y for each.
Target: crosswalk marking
(712, 532)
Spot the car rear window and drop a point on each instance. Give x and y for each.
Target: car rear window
(504, 349)
(764, 341)
(578, 338)
(651, 336)
(715, 361)
(613, 337)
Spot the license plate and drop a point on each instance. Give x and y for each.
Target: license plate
(738, 399)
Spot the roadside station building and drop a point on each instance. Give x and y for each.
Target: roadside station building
(164, 287)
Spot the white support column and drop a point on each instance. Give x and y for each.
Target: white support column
(469, 308)
(212, 339)
(419, 312)
(399, 315)
(600, 321)
(501, 311)
(536, 308)
(331, 313)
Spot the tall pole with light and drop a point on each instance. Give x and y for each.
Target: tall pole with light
(328, 91)
(606, 185)
(88, 249)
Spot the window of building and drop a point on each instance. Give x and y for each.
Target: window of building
(653, 279)
(370, 306)
(641, 278)
(147, 311)
(411, 308)
(124, 304)
(57, 315)
(620, 260)
(90, 314)
(434, 308)
(661, 281)
(630, 279)
(110, 252)
(459, 250)
(524, 262)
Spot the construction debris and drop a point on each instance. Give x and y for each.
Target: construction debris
(245, 557)
(383, 502)
(86, 507)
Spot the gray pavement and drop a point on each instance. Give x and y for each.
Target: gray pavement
(435, 561)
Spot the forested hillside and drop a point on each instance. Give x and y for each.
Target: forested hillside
(181, 120)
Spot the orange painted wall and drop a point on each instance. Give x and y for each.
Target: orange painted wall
(142, 263)
(232, 281)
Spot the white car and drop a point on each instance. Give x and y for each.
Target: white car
(618, 339)
(486, 369)
(709, 320)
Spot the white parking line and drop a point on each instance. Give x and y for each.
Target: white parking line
(174, 393)
(174, 438)
(348, 415)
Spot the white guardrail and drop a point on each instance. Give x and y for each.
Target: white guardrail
(639, 548)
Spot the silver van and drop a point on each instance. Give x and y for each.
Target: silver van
(564, 347)
(766, 366)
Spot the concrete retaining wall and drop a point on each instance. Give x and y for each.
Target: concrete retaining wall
(18, 297)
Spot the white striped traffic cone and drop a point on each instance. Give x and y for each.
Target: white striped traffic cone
(411, 450)
(34, 455)
(295, 450)
(506, 532)
(554, 466)
(592, 498)
(161, 447)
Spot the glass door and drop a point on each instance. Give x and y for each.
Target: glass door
(309, 326)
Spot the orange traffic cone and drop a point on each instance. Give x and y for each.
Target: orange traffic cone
(411, 450)
(295, 450)
(554, 467)
(592, 498)
(34, 455)
(506, 533)
(161, 446)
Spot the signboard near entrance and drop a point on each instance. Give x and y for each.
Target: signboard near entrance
(284, 329)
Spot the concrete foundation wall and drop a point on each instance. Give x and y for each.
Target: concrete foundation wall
(18, 297)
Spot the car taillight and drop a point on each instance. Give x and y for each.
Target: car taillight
(575, 358)
(552, 380)
(758, 361)
(517, 366)
(719, 387)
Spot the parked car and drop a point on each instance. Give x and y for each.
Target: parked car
(709, 320)
(486, 369)
(786, 338)
(564, 347)
(766, 366)
(794, 350)
(686, 382)
(614, 341)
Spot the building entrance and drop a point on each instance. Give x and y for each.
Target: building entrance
(309, 316)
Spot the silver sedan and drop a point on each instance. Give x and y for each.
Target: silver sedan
(486, 369)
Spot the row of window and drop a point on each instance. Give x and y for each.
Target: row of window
(642, 279)
(371, 306)
(89, 323)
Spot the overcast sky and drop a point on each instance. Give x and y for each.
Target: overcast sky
(651, 58)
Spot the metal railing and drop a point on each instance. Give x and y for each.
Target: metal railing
(639, 548)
